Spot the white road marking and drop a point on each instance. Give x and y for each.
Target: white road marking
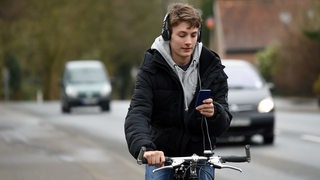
(311, 138)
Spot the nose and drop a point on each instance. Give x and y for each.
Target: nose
(188, 40)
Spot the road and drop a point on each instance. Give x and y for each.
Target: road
(38, 142)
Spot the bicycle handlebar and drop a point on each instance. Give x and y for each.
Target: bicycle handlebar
(209, 157)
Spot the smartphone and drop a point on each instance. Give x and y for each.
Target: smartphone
(202, 95)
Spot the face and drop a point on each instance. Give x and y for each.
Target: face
(182, 42)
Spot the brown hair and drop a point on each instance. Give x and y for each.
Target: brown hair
(180, 12)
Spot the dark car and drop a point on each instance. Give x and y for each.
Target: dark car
(250, 101)
(85, 83)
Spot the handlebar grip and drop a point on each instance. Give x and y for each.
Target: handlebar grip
(246, 158)
(141, 160)
(234, 159)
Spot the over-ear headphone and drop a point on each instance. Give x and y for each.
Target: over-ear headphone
(165, 29)
(166, 32)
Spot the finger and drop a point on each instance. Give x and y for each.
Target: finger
(208, 101)
(149, 156)
(207, 112)
(162, 159)
(154, 160)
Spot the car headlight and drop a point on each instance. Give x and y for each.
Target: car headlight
(266, 105)
(71, 92)
(106, 90)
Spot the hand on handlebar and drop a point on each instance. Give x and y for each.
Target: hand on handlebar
(154, 158)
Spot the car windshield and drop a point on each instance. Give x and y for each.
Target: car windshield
(243, 77)
(86, 75)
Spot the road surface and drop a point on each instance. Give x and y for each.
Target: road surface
(38, 142)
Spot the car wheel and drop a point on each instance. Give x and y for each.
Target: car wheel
(105, 106)
(268, 139)
(247, 139)
(66, 108)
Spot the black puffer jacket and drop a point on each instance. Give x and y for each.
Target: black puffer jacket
(157, 118)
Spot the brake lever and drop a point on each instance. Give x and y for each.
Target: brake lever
(175, 163)
(215, 161)
(163, 167)
(231, 167)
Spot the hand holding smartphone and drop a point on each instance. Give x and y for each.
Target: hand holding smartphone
(202, 95)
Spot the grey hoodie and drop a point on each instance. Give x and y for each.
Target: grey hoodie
(189, 77)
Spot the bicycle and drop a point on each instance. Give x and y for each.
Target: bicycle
(190, 164)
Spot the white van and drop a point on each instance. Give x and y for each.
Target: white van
(85, 83)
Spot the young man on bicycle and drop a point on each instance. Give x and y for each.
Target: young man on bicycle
(162, 115)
